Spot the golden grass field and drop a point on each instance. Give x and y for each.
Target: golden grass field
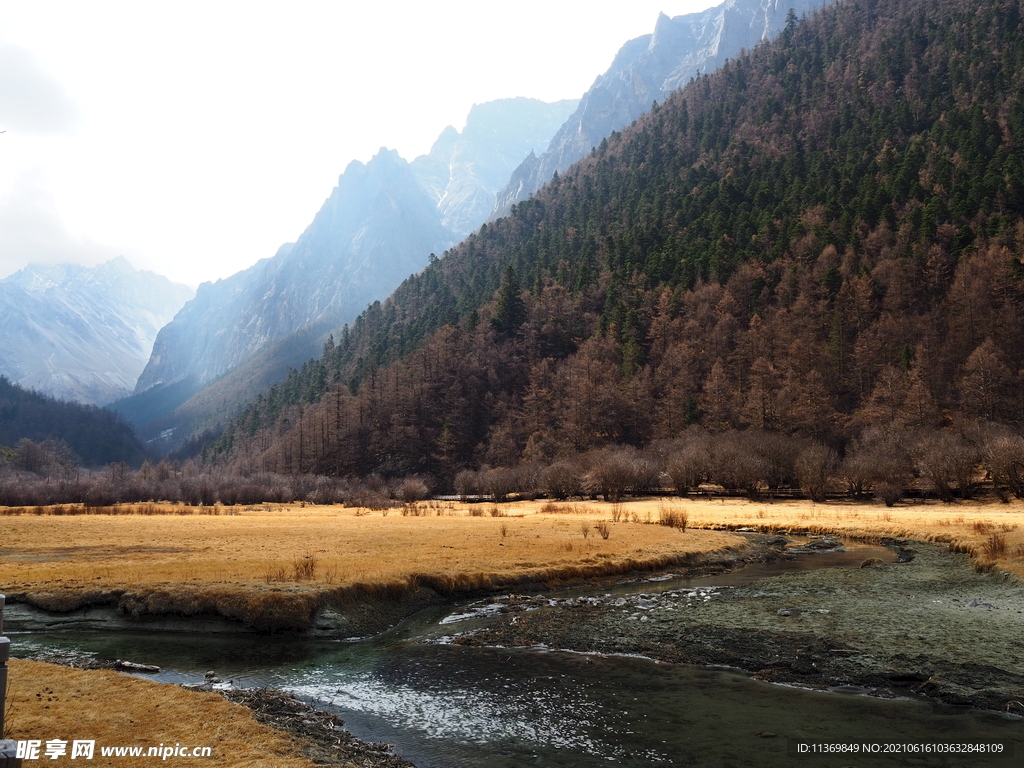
(45, 701)
(991, 532)
(307, 548)
(296, 548)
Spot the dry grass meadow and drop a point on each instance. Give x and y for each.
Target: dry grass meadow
(295, 550)
(294, 553)
(47, 702)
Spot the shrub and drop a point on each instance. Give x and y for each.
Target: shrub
(1003, 458)
(304, 568)
(814, 469)
(673, 517)
(499, 483)
(467, 483)
(947, 461)
(616, 471)
(688, 468)
(736, 465)
(877, 456)
(412, 489)
(888, 492)
(561, 480)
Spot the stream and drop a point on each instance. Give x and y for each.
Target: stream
(450, 706)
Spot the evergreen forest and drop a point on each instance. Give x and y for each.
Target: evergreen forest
(39, 432)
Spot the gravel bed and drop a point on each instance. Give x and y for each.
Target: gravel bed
(931, 626)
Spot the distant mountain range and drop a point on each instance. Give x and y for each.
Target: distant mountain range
(83, 333)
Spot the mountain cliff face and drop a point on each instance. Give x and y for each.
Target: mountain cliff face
(378, 226)
(645, 70)
(80, 333)
(464, 171)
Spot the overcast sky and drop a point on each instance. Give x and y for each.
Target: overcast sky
(194, 138)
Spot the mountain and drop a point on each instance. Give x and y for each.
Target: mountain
(83, 333)
(378, 226)
(464, 171)
(648, 69)
(820, 242)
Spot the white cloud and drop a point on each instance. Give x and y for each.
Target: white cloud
(31, 101)
(32, 230)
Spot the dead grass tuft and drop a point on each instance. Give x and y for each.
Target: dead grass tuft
(304, 567)
(551, 508)
(275, 574)
(673, 517)
(995, 547)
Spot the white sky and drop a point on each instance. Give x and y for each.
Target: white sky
(194, 138)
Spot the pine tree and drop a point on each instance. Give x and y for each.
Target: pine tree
(510, 310)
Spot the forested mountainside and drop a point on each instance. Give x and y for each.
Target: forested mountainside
(37, 430)
(649, 68)
(823, 239)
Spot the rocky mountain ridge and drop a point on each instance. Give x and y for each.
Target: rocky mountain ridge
(83, 333)
(648, 69)
(378, 226)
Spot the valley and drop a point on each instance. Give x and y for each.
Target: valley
(693, 437)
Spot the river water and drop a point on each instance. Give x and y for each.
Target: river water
(449, 706)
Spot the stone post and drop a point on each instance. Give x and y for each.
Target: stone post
(8, 748)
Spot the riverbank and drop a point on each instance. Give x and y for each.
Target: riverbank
(992, 533)
(932, 626)
(322, 571)
(47, 702)
(257, 728)
(339, 573)
(311, 735)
